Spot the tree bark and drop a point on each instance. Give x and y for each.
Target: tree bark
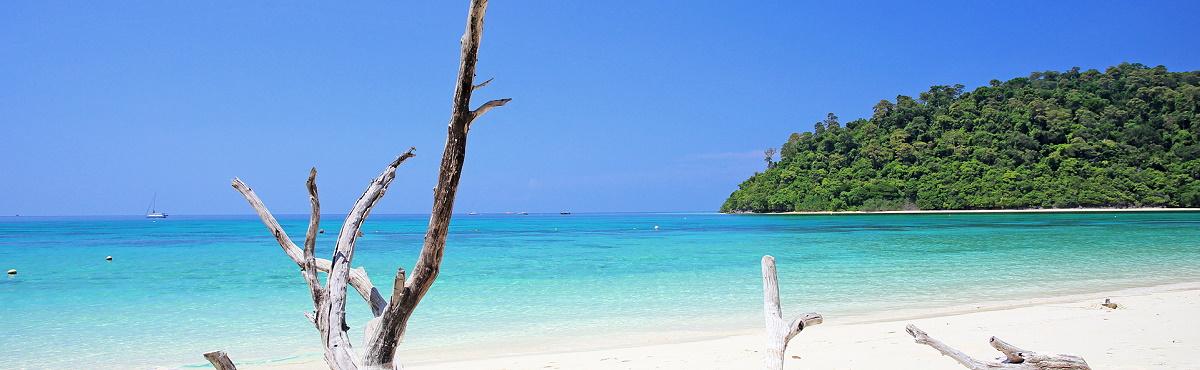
(1014, 358)
(779, 332)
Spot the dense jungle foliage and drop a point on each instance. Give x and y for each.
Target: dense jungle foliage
(1125, 137)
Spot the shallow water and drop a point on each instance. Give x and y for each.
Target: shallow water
(185, 285)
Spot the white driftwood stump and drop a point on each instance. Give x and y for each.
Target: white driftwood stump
(1014, 358)
(779, 332)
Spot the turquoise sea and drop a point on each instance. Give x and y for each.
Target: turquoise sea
(185, 285)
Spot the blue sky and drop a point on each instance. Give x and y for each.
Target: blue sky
(618, 106)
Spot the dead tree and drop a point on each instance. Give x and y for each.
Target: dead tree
(385, 331)
(778, 331)
(1014, 358)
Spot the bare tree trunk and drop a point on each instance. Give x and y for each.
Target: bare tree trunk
(778, 331)
(381, 345)
(1014, 358)
(386, 330)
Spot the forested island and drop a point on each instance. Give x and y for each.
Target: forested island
(1125, 137)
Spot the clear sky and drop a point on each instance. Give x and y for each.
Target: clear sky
(618, 105)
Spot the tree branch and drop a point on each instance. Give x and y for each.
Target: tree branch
(482, 84)
(268, 219)
(309, 269)
(392, 324)
(332, 313)
(430, 260)
(922, 338)
(803, 321)
(358, 279)
(488, 106)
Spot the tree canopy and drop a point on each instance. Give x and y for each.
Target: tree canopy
(1125, 137)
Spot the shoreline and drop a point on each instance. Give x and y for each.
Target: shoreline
(841, 341)
(968, 211)
(1074, 324)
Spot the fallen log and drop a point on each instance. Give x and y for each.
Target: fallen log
(1014, 358)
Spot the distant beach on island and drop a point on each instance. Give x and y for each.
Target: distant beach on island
(969, 211)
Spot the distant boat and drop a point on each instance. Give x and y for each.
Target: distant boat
(522, 213)
(152, 212)
(565, 213)
(472, 213)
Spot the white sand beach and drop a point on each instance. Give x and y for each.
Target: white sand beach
(1154, 328)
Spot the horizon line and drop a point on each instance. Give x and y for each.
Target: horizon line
(17, 215)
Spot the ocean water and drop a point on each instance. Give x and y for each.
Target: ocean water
(185, 285)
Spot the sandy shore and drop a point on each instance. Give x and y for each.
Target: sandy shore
(1155, 328)
(950, 211)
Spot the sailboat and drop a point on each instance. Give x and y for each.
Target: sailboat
(154, 213)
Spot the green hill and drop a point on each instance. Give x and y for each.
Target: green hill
(1125, 137)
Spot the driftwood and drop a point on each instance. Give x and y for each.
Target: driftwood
(382, 347)
(1014, 358)
(385, 331)
(778, 331)
(220, 360)
(1108, 303)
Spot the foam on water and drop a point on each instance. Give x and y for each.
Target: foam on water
(186, 285)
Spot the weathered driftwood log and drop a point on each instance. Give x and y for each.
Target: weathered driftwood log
(385, 331)
(1014, 358)
(220, 360)
(779, 332)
